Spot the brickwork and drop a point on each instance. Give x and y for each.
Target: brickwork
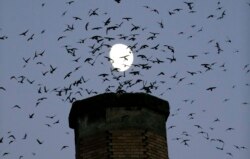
(93, 147)
(156, 146)
(127, 144)
(123, 144)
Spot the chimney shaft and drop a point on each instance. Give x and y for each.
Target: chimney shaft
(129, 125)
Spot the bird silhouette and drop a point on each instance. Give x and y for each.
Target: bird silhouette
(26, 60)
(31, 37)
(16, 106)
(24, 33)
(31, 115)
(2, 88)
(39, 141)
(64, 147)
(25, 136)
(3, 37)
(70, 2)
(52, 69)
(211, 88)
(118, 1)
(5, 153)
(77, 18)
(193, 56)
(189, 4)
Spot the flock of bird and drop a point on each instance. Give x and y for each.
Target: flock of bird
(89, 72)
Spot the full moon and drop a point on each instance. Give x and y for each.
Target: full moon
(121, 57)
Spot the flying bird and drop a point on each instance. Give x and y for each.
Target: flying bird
(31, 37)
(2, 88)
(16, 106)
(118, 1)
(31, 115)
(210, 89)
(24, 33)
(39, 141)
(64, 147)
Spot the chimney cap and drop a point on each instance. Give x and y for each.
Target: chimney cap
(100, 102)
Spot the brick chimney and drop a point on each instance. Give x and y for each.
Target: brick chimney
(119, 126)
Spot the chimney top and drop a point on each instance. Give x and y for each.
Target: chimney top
(97, 105)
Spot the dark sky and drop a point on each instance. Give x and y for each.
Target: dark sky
(194, 54)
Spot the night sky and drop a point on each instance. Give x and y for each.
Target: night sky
(194, 54)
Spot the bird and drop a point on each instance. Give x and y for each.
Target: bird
(230, 154)
(103, 75)
(64, 13)
(3, 37)
(216, 120)
(172, 126)
(180, 80)
(193, 56)
(29, 81)
(210, 16)
(125, 57)
(24, 33)
(191, 73)
(39, 141)
(64, 147)
(171, 48)
(189, 4)
(25, 136)
(52, 69)
(31, 37)
(69, 28)
(2, 88)
(50, 117)
(86, 26)
(118, 1)
(44, 73)
(155, 11)
(184, 141)
(93, 12)
(229, 129)
(43, 31)
(161, 24)
(48, 125)
(171, 59)
(31, 115)
(67, 75)
(218, 48)
(77, 18)
(155, 47)
(127, 18)
(219, 148)
(12, 136)
(134, 27)
(198, 126)
(70, 2)
(211, 88)
(56, 122)
(5, 153)
(16, 106)
(90, 91)
(61, 37)
(107, 22)
(26, 60)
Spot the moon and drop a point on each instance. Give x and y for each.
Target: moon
(121, 57)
